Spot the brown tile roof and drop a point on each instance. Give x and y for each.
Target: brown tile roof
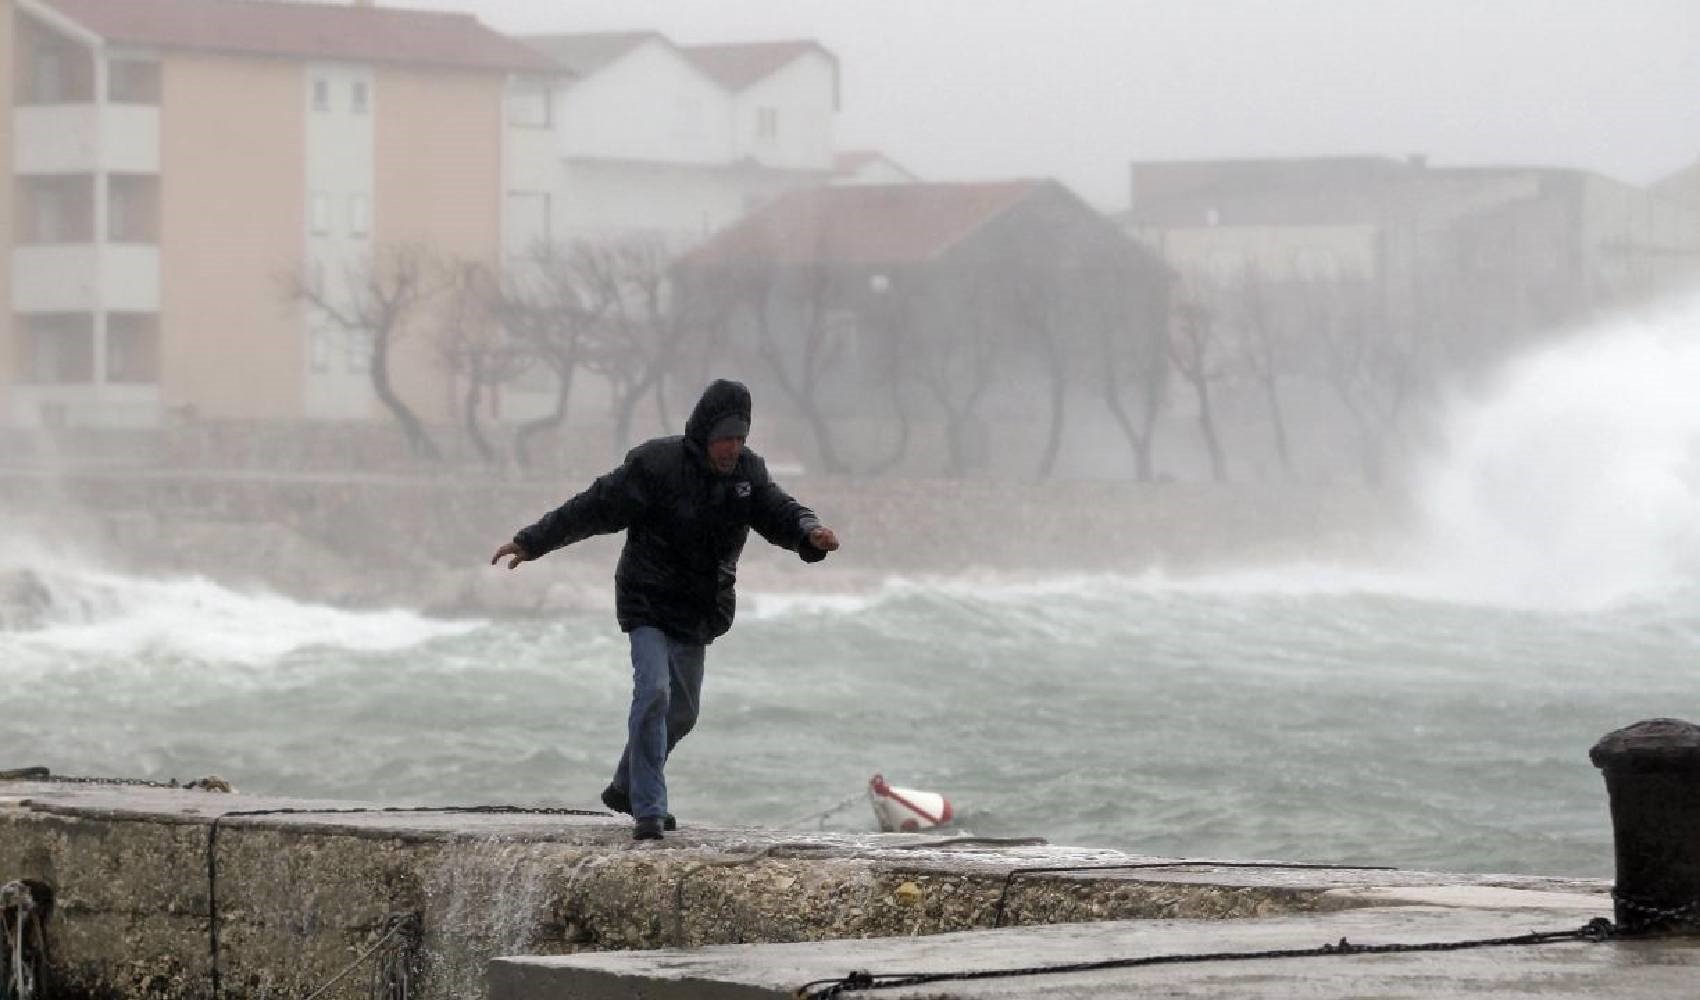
(864, 225)
(307, 31)
(738, 65)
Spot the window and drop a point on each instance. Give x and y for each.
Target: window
(132, 347)
(49, 85)
(52, 72)
(359, 97)
(321, 95)
(319, 214)
(359, 215)
(49, 215)
(767, 124)
(57, 348)
(132, 208)
(132, 81)
(57, 208)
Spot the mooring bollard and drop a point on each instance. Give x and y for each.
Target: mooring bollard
(1652, 772)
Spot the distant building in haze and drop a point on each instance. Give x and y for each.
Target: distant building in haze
(173, 161)
(676, 141)
(1478, 256)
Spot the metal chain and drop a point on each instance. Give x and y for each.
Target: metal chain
(1597, 929)
(1687, 913)
(43, 774)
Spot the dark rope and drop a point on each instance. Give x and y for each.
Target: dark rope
(1597, 929)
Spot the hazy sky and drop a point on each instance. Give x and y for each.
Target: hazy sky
(1076, 89)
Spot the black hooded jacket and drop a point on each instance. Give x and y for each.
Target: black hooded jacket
(685, 524)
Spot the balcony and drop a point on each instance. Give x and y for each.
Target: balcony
(84, 277)
(86, 138)
(85, 405)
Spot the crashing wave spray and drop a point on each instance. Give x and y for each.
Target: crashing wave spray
(1577, 485)
(61, 603)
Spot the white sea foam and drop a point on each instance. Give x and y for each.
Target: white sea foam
(1577, 484)
(109, 614)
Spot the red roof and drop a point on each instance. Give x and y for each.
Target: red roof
(738, 65)
(867, 224)
(307, 31)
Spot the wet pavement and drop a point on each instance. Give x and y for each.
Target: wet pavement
(1620, 970)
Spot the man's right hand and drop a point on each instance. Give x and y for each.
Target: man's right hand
(511, 549)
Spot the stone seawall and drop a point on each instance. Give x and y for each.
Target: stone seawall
(143, 879)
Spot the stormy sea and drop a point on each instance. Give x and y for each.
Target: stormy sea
(1427, 706)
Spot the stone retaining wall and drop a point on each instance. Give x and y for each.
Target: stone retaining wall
(302, 894)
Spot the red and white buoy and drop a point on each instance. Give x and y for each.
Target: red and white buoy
(905, 810)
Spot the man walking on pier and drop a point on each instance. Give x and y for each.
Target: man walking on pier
(686, 505)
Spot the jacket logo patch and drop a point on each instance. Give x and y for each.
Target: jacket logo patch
(742, 488)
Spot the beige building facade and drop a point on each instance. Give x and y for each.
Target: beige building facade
(8, 215)
(179, 165)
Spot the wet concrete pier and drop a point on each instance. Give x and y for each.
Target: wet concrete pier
(1612, 970)
(165, 891)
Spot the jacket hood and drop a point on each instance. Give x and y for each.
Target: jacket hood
(722, 398)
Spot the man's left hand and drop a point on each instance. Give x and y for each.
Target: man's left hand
(823, 538)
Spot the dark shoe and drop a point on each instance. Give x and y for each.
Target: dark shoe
(618, 801)
(647, 828)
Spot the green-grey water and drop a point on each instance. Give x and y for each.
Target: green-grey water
(1240, 717)
(1429, 707)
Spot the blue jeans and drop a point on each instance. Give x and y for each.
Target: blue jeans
(666, 688)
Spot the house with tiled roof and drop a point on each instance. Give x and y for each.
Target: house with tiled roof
(915, 325)
(172, 159)
(680, 140)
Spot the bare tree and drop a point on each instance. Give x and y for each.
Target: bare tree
(542, 304)
(1262, 347)
(1132, 362)
(955, 361)
(1194, 350)
(474, 347)
(1039, 301)
(382, 298)
(800, 334)
(636, 344)
(1371, 372)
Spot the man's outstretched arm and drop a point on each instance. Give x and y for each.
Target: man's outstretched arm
(608, 505)
(780, 519)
